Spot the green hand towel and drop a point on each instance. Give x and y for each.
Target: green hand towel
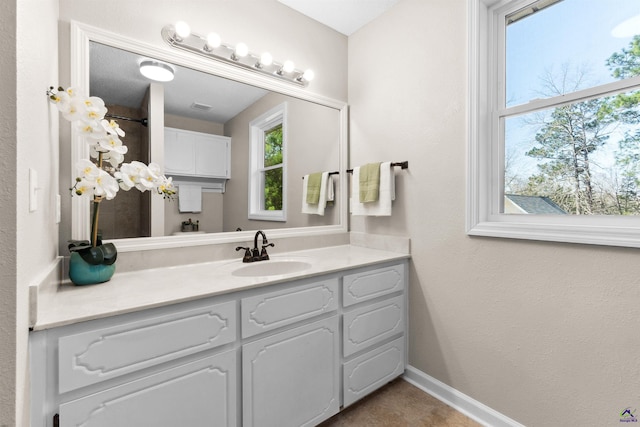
(369, 182)
(313, 188)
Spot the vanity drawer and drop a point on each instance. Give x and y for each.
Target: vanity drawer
(371, 284)
(366, 326)
(198, 393)
(372, 370)
(100, 354)
(273, 310)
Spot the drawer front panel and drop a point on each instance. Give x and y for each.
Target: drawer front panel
(371, 324)
(93, 356)
(272, 310)
(372, 370)
(209, 386)
(370, 284)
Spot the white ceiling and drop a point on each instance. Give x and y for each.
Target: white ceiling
(344, 16)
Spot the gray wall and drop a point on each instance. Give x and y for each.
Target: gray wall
(313, 146)
(543, 332)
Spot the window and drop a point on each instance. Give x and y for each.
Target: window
(267, 170)
(554, 121)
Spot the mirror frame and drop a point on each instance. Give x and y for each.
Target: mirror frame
(81, 36)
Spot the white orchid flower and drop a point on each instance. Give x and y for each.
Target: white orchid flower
(74, 110)
(91, 129)
(124, 180)
(87, 170)
(112, 127)
(112, 143)
(146, 180)
(106, 185)
(129, 175)
(115, 158)
(94, 109)
(84, 188)
(165, 186)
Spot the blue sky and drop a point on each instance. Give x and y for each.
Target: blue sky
(574, 33)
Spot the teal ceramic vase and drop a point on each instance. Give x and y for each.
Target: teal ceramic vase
(83, 273)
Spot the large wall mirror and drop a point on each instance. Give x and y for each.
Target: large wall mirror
(205, 98)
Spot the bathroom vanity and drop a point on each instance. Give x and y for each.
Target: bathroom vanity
(222, 343)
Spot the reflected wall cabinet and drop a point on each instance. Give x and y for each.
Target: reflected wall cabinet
(196, 154)
(284, 355)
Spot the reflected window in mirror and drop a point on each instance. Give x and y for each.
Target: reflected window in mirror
(267, 168)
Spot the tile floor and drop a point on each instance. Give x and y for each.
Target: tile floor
(399, 404)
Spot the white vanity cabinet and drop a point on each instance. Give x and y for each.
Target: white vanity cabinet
(291, 378)
(286, 354)
(196, 154)
(170, 366)
(374, 329)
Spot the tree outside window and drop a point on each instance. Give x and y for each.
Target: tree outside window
(267, 185)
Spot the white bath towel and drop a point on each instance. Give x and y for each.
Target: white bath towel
(326, 194)
(382, 207)
(189, 198)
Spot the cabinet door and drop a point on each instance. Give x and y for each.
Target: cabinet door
(292, 378)
(212, 154)
(200, 393)
(179, 153)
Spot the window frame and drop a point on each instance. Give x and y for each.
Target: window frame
(258, 127)
(485, 151)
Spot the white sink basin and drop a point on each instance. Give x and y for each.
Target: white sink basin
(270, 268)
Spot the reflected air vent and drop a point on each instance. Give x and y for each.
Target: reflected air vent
(200, 106)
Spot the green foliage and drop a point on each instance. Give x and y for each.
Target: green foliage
(273, 177)
(568, 140)
(626, 63)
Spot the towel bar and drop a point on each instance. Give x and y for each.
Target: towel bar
(403, 165)
(330, 173)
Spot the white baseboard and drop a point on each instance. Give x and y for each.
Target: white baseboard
(459, 401)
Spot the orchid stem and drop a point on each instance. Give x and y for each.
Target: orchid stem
(96, 211)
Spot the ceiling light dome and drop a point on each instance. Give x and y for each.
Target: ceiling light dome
(155, 70)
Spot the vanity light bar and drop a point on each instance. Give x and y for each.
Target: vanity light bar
(180, 37)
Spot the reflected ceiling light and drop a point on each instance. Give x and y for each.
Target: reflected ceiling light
(180, 36)
(628, 28)
(155, 70)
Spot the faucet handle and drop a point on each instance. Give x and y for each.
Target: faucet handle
(264, 256)
(247, 254)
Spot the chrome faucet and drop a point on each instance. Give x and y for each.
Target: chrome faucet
(252, 255)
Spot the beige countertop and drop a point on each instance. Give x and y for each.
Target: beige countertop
(132, 291)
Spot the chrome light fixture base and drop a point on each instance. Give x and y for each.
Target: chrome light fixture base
(197, 44)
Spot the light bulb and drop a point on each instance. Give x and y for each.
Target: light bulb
(308, 75)
(213, 41)
(182, 29)
(288, 66)
(266, 59)
(156, 70)
(241, 50)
